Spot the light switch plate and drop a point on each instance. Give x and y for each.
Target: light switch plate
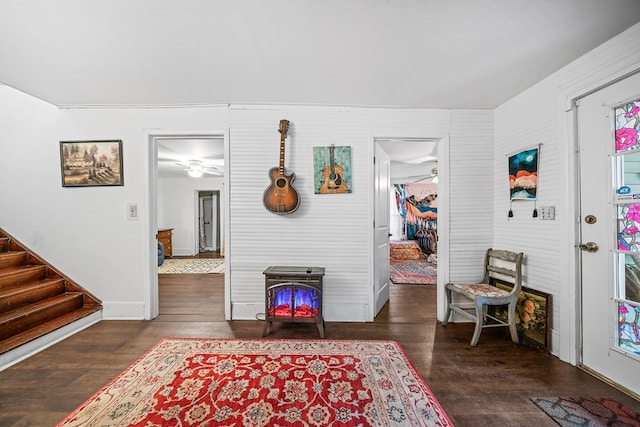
(132, 210)
(548, 212)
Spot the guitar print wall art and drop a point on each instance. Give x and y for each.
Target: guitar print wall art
(332, 169)
(281, 197)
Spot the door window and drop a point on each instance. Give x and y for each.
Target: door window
(627, 256)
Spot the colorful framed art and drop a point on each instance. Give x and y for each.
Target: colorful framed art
(533, 314)
(332, 170)
(91, 163)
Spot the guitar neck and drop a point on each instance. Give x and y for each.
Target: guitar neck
(281, 165)
(332, 160)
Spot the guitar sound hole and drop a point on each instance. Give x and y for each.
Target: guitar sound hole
(281, 183)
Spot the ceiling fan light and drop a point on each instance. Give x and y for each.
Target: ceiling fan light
(435, 179)
(194, 173)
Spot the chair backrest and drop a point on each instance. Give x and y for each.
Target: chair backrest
(503, 265)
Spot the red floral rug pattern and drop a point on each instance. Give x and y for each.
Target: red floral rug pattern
(413, 272)
(225, 383)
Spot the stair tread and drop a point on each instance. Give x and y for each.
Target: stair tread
(35, 307)
(14, 296)
(36, 298)
(41, 330)
(17, 288)
(25, 267)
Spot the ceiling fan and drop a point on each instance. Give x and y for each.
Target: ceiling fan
(434, 175)
(195, 168)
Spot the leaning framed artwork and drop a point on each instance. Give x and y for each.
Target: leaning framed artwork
(91, 163)
(533, 314)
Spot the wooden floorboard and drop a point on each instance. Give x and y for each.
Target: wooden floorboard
(487, 385)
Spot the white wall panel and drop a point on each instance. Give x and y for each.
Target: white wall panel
(177, 209)
(470, 193)
(331, 231)
(537, 116)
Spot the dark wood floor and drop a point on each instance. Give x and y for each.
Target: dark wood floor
(487, 385)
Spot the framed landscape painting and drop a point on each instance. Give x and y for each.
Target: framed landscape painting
(533, 311)
(91, 163)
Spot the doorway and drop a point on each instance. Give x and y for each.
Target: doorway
(208, 222)
(410, 159)
(609, 157)
(186, 162)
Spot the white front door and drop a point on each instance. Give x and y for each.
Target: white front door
(609, 155)
(382, 182)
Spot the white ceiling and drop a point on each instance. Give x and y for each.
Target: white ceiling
(396, 53)
(386, 53)
(175, 153)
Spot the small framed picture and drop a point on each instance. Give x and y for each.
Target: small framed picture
(332, 170)
(533, 314)
(91, 163)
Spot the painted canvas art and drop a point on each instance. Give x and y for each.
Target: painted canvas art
(91, 163)
(332, 169)
(523, 174)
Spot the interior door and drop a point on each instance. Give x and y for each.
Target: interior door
(207, 207)
(609, 154)
(382, 182)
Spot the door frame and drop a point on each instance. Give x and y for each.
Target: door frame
(442, 136)
(570, 347)
(151, 300)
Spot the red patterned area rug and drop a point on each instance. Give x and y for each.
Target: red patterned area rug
(226, 382)
(588, 412)
(413, 272)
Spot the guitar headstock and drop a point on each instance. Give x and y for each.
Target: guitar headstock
(284, 127)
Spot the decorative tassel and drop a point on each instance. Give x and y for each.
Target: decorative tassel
(535, 210)
(510, 211)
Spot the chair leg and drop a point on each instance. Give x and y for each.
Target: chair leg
(512, 323)
(447, 293)
(479, 322)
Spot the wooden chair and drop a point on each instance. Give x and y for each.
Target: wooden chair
(475, 298)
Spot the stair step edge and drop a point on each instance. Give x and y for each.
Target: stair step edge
(17, 340)
(11, 289)
(32, 309)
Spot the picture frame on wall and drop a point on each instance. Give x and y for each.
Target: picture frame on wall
(332, 169)
(533, 314)
(91, 163)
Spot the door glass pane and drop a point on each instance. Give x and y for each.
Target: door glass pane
(629, 327)
(627, 177)
(627, 119)
(629, 227)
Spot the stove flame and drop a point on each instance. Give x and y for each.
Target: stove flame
(305, 302)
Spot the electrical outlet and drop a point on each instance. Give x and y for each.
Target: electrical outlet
(132, 210)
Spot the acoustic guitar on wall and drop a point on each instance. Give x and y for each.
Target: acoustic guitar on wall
(281, 197)
(333, 176)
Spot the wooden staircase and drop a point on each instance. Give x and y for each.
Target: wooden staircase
(35, 298)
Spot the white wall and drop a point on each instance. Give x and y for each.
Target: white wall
(540, 116)
(333, 231)
(178, 209)
(85, 231)
(86, 234)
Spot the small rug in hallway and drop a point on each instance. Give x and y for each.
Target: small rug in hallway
(413, 272)
(579, 411)
(229, 382)
(191, 265)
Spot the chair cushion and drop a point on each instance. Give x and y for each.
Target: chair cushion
(482, 290)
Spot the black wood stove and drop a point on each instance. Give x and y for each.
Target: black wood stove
(293, 294)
